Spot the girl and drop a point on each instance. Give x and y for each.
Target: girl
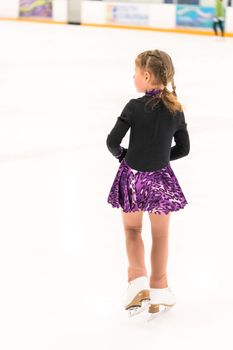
(145, 180)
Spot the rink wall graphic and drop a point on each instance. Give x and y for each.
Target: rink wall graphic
(36, 8)
(194, 16)
(190, 19)
(127, 15)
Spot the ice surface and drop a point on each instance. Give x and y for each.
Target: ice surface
(63, 265)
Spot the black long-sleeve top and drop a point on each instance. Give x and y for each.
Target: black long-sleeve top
(151, 134)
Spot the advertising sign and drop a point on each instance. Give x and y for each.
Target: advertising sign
(194, 16)
(35, 8)
(127, 14)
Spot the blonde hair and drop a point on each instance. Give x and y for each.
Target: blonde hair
(159, 65)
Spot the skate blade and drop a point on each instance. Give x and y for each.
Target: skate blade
(139, 303)
(135, 310)
(155, 311)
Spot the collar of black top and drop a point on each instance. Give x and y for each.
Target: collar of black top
(153, 92)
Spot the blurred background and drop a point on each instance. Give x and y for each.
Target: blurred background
(66, 72)
(194, 14)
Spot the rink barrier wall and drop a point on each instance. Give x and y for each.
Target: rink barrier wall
(164, 30)
(9, 9)
(157, 17)
(139, 16)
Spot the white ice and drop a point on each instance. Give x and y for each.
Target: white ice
(63, 264)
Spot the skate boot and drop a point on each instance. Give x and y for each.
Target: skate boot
(161, 300)
(137, 297)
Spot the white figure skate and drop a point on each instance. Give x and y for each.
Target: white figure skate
(161, 300)
(136, 297)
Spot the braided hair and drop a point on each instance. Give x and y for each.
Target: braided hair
(159, 64)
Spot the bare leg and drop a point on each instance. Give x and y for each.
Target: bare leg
(134, 244)
(159, 250)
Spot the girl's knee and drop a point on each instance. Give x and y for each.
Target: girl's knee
(133, 231)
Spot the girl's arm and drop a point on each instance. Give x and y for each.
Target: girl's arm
(181, 137)
(119, 130)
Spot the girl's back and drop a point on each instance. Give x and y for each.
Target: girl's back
(151, 134)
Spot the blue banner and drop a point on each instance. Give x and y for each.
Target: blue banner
(194, 16)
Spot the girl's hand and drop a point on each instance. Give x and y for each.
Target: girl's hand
(122, 155)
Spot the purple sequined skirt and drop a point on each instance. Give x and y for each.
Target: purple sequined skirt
(154, 191)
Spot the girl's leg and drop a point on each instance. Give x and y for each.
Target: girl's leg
(221, 26)
(215, 27)
(159, 250)
(132, 222)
